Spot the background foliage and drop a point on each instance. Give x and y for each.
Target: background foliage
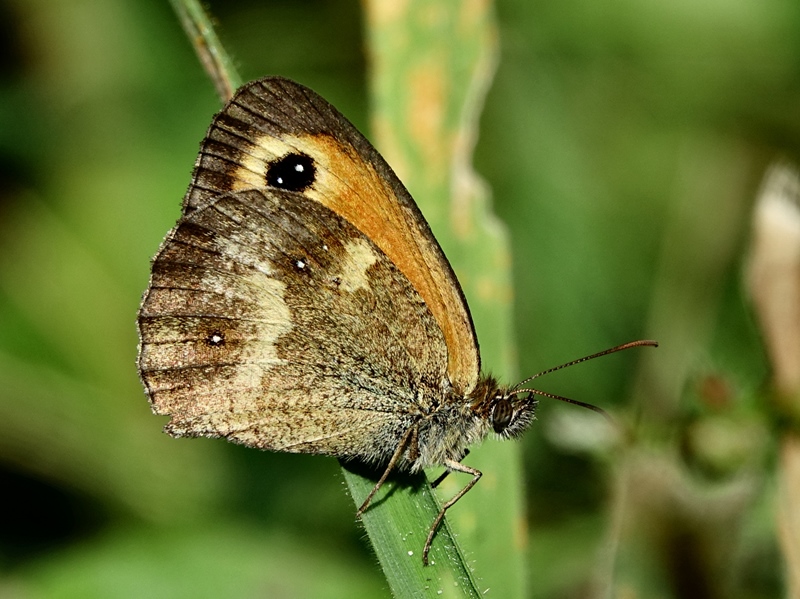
(624, 142)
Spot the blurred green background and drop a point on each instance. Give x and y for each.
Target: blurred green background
(624, 142)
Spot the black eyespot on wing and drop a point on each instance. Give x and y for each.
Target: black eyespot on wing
(501, 415)
(293, 172)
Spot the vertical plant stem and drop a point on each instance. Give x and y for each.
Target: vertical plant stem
(199, 29)
(431, 65)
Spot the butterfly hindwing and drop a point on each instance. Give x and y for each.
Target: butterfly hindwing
(265, 322)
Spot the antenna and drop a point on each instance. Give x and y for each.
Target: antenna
(515, 390)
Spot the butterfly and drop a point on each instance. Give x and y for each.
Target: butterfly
(302, 304)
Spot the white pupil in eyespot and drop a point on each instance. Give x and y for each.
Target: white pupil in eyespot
(298, 168)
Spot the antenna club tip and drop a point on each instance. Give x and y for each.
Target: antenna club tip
(639, 343)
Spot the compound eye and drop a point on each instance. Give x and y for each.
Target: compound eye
(502, 412)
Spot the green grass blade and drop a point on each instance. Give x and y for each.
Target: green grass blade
(432, 62)
(398, 521)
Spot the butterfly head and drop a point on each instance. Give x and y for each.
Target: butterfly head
(511, 412)
(507, 411)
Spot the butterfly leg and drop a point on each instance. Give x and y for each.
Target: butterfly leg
(444, 474)
(401, 446)
(452, 466)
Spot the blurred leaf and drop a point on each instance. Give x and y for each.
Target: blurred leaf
(217, 560)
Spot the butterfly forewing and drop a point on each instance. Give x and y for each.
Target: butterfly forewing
(270, 118)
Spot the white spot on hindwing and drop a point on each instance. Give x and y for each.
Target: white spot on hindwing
(359, 257)
(246, 348)
(241, 251)
(267, 318)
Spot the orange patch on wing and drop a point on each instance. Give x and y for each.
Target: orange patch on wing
(354, 190)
